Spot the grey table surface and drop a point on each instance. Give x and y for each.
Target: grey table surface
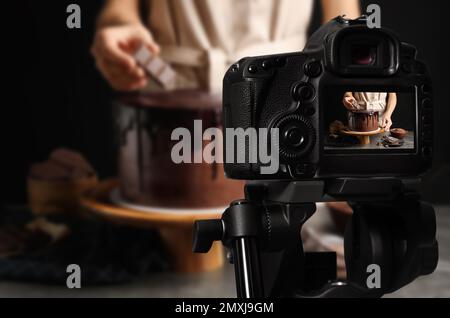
(376, 144)
(220, 283)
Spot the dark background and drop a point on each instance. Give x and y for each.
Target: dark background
(52, 95)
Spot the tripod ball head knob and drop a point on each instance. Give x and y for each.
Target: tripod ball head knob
(205, 233)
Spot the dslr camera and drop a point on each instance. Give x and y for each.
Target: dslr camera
(355, 103)
(349, 119)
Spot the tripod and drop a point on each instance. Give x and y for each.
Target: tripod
(390, 228)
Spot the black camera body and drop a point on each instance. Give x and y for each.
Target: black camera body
(297, 92)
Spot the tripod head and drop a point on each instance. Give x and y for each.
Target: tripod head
(391, 235)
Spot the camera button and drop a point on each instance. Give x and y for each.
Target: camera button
(426, 89)
(280, 61)
(303, 169)
(266, 65)
(303, 92)
(426, 113)
(294, 137)
(309, 111)
(313, 69)
(426, 103)
(427, 135)
(427, 118)
(252, 69)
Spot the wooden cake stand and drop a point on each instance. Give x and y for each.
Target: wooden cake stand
(363, 136)
(175, 226)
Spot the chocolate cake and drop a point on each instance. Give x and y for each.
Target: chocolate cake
(363, 121)
(147, 174)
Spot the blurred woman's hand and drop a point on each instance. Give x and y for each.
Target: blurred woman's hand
(349, 103)
(113, 50)
(386, 122)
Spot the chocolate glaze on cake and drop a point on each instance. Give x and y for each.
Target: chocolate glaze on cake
(363, 121)
(147, 173)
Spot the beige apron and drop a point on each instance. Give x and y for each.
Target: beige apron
(371, 101)
(201, 38)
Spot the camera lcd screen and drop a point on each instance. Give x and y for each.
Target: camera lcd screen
(369, 120)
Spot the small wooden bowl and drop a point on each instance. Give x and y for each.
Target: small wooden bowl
(398, 133)
(57, 196)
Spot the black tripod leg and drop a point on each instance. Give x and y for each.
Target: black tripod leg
(240, 230)
(247, 268)
(242, 234)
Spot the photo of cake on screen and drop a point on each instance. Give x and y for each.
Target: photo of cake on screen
(368, 120)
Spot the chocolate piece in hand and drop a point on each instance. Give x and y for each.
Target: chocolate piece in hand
(156, 68)
(355, 105)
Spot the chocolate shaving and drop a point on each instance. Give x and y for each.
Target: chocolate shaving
(387, 141)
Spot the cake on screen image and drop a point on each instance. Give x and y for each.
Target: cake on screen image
(362, 120)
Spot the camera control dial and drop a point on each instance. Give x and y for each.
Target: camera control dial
(297, 136)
